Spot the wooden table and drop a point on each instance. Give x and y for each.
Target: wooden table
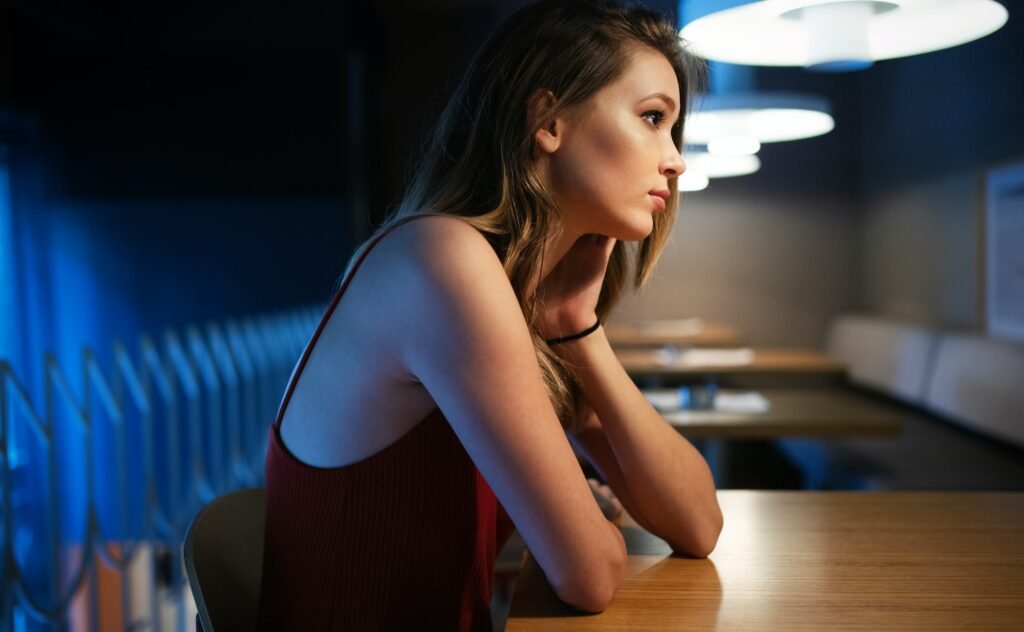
(764, 366)
(818, 413)
(689, 332)
(818, 561)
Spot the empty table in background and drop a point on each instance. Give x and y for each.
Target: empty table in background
(686, 332)
(805, 412)
(781, 367)
(820, 413)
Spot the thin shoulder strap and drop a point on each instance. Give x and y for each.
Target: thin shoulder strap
(323, 321)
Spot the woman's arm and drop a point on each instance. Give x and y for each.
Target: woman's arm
(662, 481)
(660, 478)
(461, 333)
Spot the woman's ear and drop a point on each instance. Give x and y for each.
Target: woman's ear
(549, 136)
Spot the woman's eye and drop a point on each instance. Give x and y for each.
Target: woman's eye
(654, 117)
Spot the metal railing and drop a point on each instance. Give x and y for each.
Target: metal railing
(185, 419)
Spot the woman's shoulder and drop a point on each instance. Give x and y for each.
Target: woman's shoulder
(436, 285)
(439, 244)
(434, 230)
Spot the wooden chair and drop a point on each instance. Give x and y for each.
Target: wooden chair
(224, 560)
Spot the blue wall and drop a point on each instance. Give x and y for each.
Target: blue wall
(7, 293)
(153, 188)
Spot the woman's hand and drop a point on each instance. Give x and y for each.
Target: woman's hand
(610, 506)
(568, 295)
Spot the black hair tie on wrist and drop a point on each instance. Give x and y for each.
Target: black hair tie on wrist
(576, 336)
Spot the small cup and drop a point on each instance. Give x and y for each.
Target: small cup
(697, 397)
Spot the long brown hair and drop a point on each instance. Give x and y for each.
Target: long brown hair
(478, 163)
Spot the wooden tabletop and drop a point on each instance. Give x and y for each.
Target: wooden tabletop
(690, 332)
(818, 561)
(819, 412)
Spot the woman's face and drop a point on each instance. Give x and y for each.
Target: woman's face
(610, 169)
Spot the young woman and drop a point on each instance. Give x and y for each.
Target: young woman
(463, 355)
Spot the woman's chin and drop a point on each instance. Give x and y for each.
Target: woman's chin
(630, 226)
(635, 231)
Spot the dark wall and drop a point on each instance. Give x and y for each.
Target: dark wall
(938, 114)
(412, 68)
(140, 105)
(185, 162)
(194, 160)
(934, 124)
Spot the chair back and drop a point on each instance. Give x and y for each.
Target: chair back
(224, 560)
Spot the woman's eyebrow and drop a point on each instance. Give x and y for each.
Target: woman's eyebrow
(664, 97)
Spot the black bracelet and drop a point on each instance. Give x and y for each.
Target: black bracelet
(576, 336)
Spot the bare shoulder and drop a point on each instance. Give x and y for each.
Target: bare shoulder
(447, 291)
(419, 267)
(437, 257)
(436, 243)
(439, 227)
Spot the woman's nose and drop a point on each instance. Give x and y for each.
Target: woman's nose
(673, 165)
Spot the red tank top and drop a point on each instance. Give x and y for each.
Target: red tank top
(403, 540)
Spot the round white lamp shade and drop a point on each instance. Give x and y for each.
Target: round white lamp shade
(709, 165)
(832, 35)
(764, 117)
(692, 180)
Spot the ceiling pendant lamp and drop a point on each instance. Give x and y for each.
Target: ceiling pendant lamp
(726, 128)
(692, 180)
(725, 122)
(832, 35)
(736, 118)
(718, 166)
(702, 166)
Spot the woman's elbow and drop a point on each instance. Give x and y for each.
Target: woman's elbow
(701, 539)
(707, 541)
(589, 594)
(593, 591)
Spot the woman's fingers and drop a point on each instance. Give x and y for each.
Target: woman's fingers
(610, 506)
(571, 290)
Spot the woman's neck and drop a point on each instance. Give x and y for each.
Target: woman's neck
(556, 248)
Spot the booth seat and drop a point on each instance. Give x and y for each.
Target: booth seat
(963, 402)
(979, 383)
(885, 355)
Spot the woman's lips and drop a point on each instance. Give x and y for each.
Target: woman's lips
(659, 198)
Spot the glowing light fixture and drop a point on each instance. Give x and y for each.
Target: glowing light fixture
(832, 35)
(692, 180)
(768, 117)
(701, 166)
(736, 118)
(719, 166)
(740, 145)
